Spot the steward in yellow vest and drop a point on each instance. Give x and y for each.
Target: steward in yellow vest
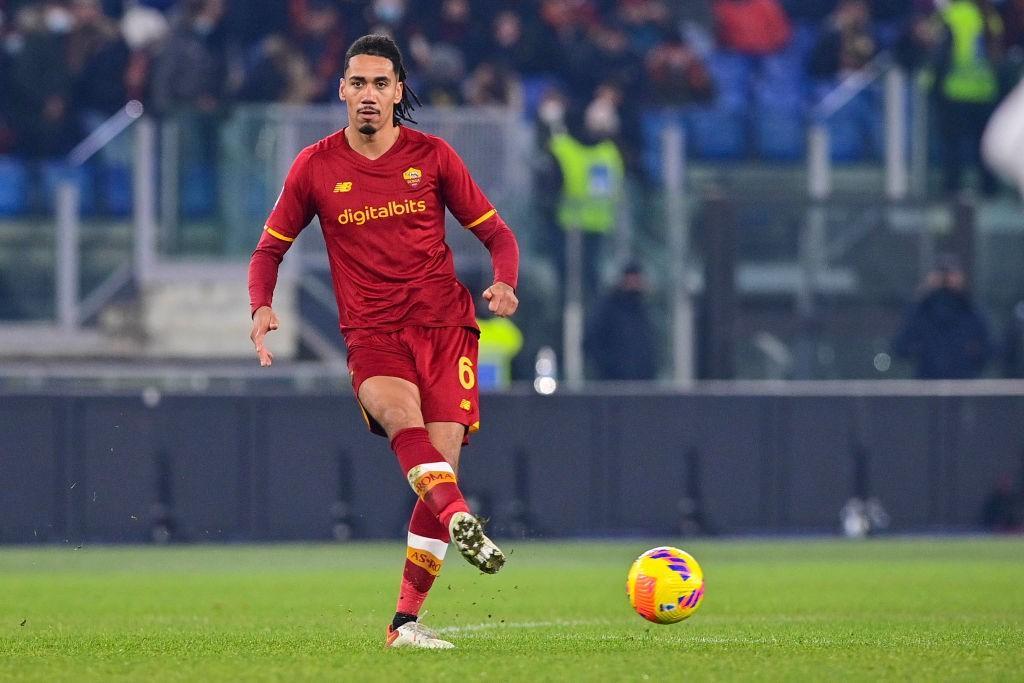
(500, 341)
(591, 183)
(970, 70)
(966, 88)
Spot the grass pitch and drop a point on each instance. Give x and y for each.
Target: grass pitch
(809, 610)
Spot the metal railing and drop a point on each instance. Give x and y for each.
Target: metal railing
(896, 104)
(71, 309)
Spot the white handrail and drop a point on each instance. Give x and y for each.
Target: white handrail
(851, 86)
(101, 136)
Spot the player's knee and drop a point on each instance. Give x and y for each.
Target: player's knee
(396, 417)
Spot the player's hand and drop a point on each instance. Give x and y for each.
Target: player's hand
(502, 298)
(263, 321)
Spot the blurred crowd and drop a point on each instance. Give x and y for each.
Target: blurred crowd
(66, 64)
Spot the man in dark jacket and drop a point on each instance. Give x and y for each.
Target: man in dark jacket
(944, 333)
(621, 341)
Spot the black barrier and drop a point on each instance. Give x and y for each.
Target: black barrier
(182, 468)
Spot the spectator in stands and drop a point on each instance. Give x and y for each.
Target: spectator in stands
(321, 39)
(144, 30)
(280, 73)
(751, 27)
(846, 45)
(1013, 18)
(944, 333)
(614, 59)
(491, 85)
(389, 17)
(520, 47)
(967, 87)
(645, 23)
(248, 23)
(676, 74)
(809, 11)
(920, 38)
(97, 58)
(7, 43)
(589, 175)
(440, 69)
(191, 71)
(456, 25)
(574, 24)
(40, 85)
(621, 343)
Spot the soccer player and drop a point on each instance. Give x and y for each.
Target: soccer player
(380, 190)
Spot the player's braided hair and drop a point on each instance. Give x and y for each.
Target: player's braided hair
(377, 45)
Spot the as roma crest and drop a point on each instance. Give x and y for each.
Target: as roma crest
(413, 176)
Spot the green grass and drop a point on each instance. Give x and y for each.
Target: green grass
(948, 609)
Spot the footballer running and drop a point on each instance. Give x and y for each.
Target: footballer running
(380, 190)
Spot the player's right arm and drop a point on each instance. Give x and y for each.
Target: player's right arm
(293, 210)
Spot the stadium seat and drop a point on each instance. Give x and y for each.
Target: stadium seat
(717, 133)
(198, 191)
(730, 73)
(780, 80)
(780, 132)
(856, 129)
(13, 187)
(653, 123)
(53, 173)
(534, 88)
(117, 189)
(805, 37)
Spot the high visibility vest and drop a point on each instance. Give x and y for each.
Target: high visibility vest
(972, 76)
(500, 341)
(591, 183)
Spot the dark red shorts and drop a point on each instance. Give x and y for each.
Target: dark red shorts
(441, 361)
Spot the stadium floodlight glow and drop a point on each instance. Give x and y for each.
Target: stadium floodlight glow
(545, 385)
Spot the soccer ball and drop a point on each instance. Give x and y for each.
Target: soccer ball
(665, 585)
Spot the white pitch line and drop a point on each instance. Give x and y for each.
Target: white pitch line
(486, 625)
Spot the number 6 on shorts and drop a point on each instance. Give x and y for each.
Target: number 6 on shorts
(466, 376)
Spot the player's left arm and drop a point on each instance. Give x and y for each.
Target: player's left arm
(470, 207)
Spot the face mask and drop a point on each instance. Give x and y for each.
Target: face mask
(601, 119)
(58, 20)
(551, 112)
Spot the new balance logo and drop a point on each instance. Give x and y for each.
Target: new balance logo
(343, 187)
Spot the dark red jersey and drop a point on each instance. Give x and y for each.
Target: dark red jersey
(383, 223)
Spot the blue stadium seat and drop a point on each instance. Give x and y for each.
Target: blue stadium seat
(534, 88)
(717, 133)
(652, 124)
(54, 172)
(730, 73)
(781, 79)
(856, 129)
(805, 37)
(13, 187)
(780, 132)
(198, 191)
(117, 189)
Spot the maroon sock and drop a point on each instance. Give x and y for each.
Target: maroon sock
(428, 542)
(429, 474)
